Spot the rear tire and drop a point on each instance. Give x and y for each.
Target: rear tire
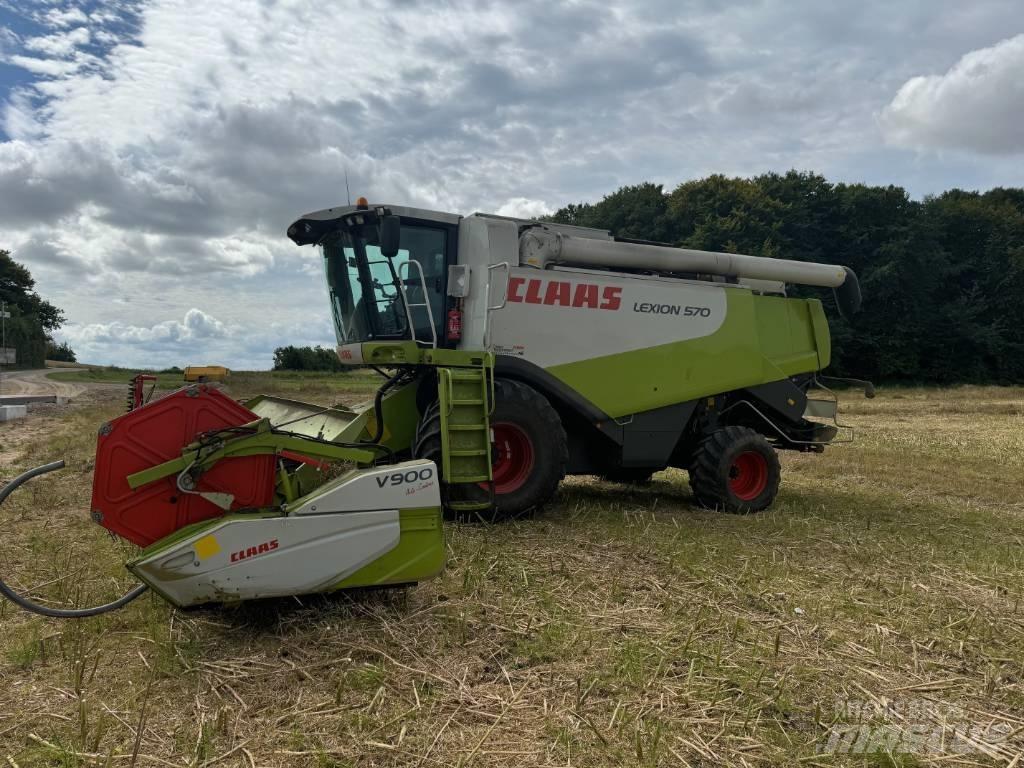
(735, 469)
(529, 453)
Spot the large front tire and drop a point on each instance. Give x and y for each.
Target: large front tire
(529, 451)
(735, 470)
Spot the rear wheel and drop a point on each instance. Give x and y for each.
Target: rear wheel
(735, 469)
(529, 451)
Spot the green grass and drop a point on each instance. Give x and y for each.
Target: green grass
(622, 626)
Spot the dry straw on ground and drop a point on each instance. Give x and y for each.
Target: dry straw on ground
(620, 627)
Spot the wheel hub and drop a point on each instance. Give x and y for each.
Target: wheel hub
(748, 475)
(512, 457)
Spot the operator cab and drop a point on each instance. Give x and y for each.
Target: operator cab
(386, 269)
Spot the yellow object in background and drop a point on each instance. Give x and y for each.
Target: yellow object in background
(206, 373)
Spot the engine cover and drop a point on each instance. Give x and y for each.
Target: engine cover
(155, 433)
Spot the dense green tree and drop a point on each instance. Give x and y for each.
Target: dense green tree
(32, 319)
(60, 352)
(722, 214)
(317, 358)
(639, 212)
(17, 289)
(943, 278)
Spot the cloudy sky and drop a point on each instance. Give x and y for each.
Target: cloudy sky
(152, 152)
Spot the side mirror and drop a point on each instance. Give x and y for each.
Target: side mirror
(390, 234)
(458, 281)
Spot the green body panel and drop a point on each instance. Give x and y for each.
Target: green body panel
(410, 353)
(822, 337)
(763, 339)
(420, 553)
(400, 419)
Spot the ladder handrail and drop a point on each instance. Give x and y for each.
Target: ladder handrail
(487, 299)
(401, 291)
(425, 303)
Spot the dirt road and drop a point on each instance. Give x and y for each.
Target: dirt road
(36, 383)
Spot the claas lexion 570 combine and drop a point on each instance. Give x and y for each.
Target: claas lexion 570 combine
(514, 352)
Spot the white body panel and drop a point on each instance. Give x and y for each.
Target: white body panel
(408, 485)
(484, 244)
(353, 521)
(269, 557)
(350, 354)
(553, 317)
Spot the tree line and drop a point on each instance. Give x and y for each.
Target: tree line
(942, 278)
(32, 319)
(317, 358)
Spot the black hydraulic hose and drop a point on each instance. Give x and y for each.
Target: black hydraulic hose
(378, 409)
(43, 610)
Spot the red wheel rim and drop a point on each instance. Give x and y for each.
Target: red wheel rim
(748, 475)
(511, 457)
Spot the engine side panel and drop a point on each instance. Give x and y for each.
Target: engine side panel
(630, 344)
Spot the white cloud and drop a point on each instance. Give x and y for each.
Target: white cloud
(60, 43)
(977, 105)
(153, 167)
(197, 338)
(524, 208)
(47, 67)
(65, 17)
(197, 325)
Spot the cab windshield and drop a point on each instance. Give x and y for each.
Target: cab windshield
(367, 300)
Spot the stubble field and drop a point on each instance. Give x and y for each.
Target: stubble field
(621, 626)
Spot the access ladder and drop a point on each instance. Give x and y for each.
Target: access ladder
(466, 397)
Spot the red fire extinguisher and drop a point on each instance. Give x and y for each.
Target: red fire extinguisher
(454, 324)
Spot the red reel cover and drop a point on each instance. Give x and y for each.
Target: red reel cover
(155, 433)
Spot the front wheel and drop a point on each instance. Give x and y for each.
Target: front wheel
(529, 450)
(735, 469)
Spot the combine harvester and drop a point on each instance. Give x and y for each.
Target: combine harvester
(516, 352)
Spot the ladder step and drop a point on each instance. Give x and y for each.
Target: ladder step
(468, 479)
(466, 427)
(477, 401)
(469, 452)
(468, 506)
(476, 375)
